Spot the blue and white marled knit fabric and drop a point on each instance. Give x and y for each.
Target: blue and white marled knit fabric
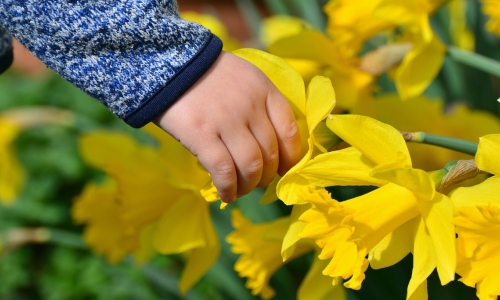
(5, 49)
(135, 56)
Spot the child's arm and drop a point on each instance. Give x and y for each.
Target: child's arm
(138, 58)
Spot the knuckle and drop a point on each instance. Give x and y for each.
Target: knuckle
(223, 168)
(271, 157)
(253, 168)
(291, 133)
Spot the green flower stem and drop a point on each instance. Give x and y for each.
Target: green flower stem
(311, 12)
(475, 60)
(252, 16)
(442, 141)
(277, 7)
(63, 237)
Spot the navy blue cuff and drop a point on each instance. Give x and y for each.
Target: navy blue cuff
(178, 85)
(6, 60)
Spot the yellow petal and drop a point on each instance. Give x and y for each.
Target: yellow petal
(194, 236)
(482, 194)
(415, 180)
(421, 65)
(270, 195)
(284, 77)
(380, 142)
(420, 293)
(12, 176)
(353, 22)
(424, 261)
(200, 260)
(175, 233)
(393, 248)
(309, 44)
(278, 27)
(186, 170)
(320, 103)
(146, 250)
(478, 228)
(100, 148)
(343, 167)
(290, 186)
(295, 227)
(487, 157)
(316, 286)
(438, 216)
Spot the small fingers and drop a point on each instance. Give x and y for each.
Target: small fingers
(218, 162)
(287, 132)
(265, 136)
(247, 158)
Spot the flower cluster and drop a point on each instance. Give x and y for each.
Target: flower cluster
(421, 201)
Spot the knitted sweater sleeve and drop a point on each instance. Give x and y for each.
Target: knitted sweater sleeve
(137, 57)
(6, 56)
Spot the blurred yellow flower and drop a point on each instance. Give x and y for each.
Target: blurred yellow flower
(351, 23)
(260, 245)
(351, 84)
(478, 224)
(491, 8)
(154, 205)
(12, 175)
(420, 65)
(215, 26)
(98, 206)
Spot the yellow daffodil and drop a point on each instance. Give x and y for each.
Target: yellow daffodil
(421, 64)
(457, 121)
(12, 122)
(215, 26)
(348, 231)
(260, 245)
(99, 208)
(478, 224)
(12, 175)
(350, 82)
(491, 8)
(351, 23)
(350, 166)
(156, 204)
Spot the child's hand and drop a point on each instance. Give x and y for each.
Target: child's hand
(238, 124)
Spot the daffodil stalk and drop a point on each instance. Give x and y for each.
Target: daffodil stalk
(441, 141)
(277, 7)
(475, 60)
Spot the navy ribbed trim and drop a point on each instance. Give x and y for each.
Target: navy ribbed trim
(178, 85)
(6, 60)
